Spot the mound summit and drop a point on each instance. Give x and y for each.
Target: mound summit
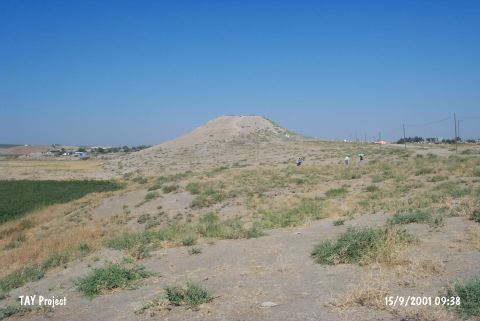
(228, 128)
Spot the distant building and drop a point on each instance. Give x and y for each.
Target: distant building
(54, 152)
(381, 142)
(80, 154)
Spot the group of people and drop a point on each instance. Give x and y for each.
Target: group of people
(361, 158)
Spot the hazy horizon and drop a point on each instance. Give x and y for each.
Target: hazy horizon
(123, 73)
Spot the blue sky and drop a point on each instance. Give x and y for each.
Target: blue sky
(142, 72)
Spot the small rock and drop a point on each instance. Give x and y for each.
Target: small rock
(268, 304)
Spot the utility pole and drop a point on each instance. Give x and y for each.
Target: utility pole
(458, 129)
(455, 123)
(404, 138)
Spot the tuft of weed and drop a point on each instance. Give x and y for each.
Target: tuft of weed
(372, 188)
(170, 188)
(189, 241)
(190, 295)
(195, 250)
(407, 218)
(151, 195)
(208, 197)
(159, 181)
(13, 310)
(20, 277)
(361, 245)
(113, 276)
(338, 222)
(476, 171)
(469, 293)
(140, 251)
(194, 188)
(308, 209)
(336, 192)
(437, 178)
(476, 215)
(452, 189)
(211, 226)
(60, 258)
(423, 171)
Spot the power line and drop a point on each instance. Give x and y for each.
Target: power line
(430, 123)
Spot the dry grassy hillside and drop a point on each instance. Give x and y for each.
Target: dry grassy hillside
(221, 225)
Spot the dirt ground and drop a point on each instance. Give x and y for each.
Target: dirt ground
(242, 274)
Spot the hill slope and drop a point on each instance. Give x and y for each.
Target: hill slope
(223, 141)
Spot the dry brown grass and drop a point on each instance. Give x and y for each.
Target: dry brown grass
(369, 293)
(51, 232)
(473, 235)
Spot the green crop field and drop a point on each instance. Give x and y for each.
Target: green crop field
(22, 196)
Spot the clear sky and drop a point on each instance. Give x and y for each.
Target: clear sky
(142, 72)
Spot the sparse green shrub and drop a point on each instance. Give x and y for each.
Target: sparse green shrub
(166, 179)
(151, 195)
(191, 295)
(195, 250)
(13, 310)
(372, 188)
(476, 214)
(438, 221)
(407, 218)
(56, 259)
(20, 277)
(308, 209)
(338, 222)
(189, 241)
(60, 258)
(453, 189)
(361, 245)
(113, 276)
(476, 171)
(424, 171)
(140, 251)
(142, 219)
(140, 180)
(437, 178)
(194, 188)
(210, 225)
(207, 197)
(336, 192)
(170, 188)
(469, 293)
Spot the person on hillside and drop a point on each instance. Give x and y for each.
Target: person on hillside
(299, 161)
(347, 161)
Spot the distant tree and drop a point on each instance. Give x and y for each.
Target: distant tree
(415, 139)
